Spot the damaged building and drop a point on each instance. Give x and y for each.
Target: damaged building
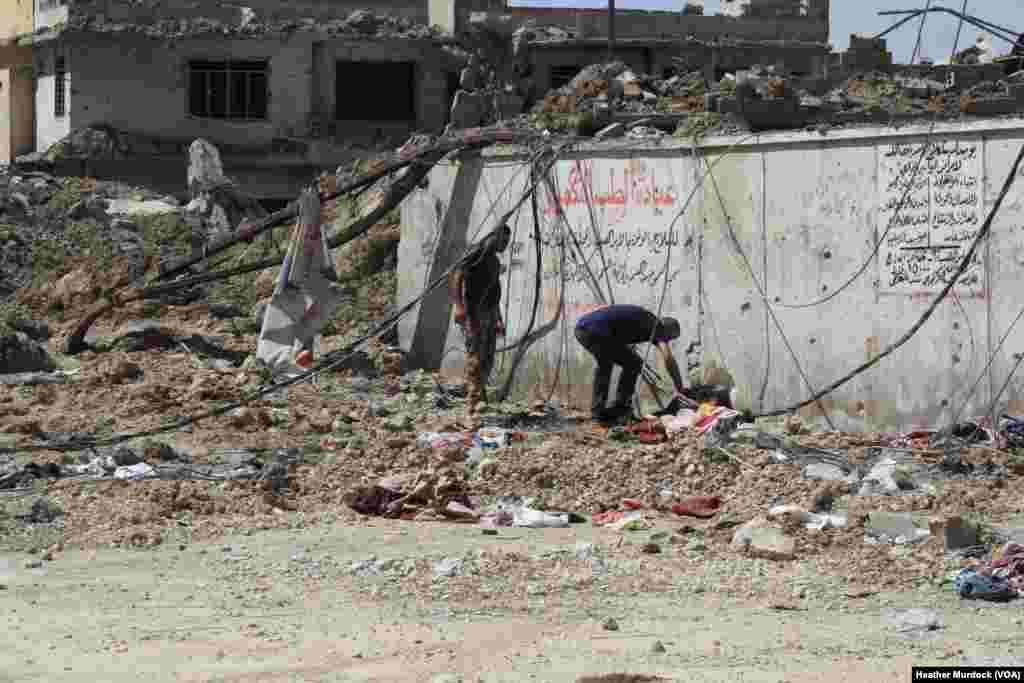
(291, 79)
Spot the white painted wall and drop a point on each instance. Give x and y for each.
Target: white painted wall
(50, 128)
(810, 208)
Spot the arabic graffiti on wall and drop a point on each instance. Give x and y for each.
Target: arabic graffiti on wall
(620, 213)
(613, 191)
(931, 230)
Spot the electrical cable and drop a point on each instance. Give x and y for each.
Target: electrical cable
(991, 359)
(965, 262)
(671, 229)
(764, 275)
(764, 297)
(329, 362)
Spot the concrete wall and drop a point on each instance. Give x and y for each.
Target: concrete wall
(806, 211)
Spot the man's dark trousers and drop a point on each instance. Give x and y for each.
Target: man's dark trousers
(608, 353)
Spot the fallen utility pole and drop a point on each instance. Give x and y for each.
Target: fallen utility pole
(420, 162)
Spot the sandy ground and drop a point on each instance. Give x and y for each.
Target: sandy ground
(251, 608)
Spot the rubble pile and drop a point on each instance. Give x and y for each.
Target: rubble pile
(760, 98)
(361, 22)
(47, 222)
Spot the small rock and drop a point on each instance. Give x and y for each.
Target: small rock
(650, 548)
(449, 567)
(44, 511)
(490, 532)
(610, 624)
(125, 457)
(771, 543)
(892, 525)
(225, 311)
(913, 622)
(584, 551)
(959, 534)
(658, 647)
(20, 354)
(823, 472)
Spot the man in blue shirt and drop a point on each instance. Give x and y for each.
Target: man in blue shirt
(608, 334)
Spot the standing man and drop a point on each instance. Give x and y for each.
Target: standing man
(474, 288)
(608, 334)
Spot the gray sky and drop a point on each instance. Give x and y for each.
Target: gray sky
(860, 16)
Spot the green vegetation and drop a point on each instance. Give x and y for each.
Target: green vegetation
(727, 87)
(165, 230)
(697, 126)
(71, 192)
(10, 313)
(579, 123)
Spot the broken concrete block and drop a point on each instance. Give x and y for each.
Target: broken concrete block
(771, 543)
(880, 480)
(820, 471)
(205, 170)
(892, 525)
(20, 354)
(742, 536)
(614, 130)
(957, 533)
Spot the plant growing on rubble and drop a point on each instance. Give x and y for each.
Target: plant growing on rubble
(727, 87)
(66, 197)
(696, 87)
(164, 230)
(48, 258)
(11, 313)
(903, 104)
(697, 126)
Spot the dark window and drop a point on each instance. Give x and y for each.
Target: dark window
(60, 100)
(561, 75)
(375, 91)
(227, 90)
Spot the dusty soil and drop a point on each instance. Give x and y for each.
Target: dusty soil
(283, 605)
(222, 581)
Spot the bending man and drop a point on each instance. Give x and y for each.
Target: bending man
(475, 291)
(608, 334)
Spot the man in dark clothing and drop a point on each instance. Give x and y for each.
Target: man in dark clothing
(607, 334)
(475, 291)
